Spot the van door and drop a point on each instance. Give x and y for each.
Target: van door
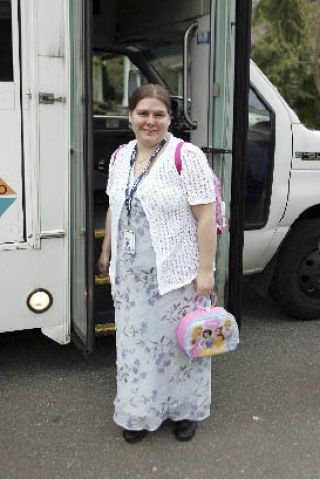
(11, 186)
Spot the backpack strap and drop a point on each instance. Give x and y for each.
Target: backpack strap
(116, 153)
(221, 220)
(177, 157)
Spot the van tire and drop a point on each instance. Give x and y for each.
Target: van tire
(295, 286)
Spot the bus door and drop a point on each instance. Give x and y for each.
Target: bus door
(188, 47)
(81, 188)
(11, 186)
(173, 43)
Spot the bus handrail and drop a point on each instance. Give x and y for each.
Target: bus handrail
(187, 34)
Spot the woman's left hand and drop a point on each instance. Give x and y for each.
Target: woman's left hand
(204, 283)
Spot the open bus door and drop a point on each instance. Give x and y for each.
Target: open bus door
(81, 207)
(188, 47)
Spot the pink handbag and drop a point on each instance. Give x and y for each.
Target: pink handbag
(207, 331)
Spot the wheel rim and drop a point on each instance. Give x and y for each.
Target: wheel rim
(309, 275)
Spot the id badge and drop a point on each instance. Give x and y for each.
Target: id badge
(129, 242)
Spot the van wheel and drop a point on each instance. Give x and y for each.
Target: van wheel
(296, 281)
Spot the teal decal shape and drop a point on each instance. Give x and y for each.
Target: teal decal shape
(5, 203)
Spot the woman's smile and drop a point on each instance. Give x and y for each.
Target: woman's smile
(148, 131)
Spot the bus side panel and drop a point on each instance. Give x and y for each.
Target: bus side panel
(42, 260)
(26, 270)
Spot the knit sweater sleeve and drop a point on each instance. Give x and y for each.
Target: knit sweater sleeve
(196, 176)
(110, 173)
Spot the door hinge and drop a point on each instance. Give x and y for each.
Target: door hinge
(49, 98)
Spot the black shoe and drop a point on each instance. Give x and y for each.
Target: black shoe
(134, 436)
(185, 430)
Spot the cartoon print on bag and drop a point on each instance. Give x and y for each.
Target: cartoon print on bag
(219, 343)
(207, 334)
(228, 330)
(218, 337)
(229, 334)
(197, 342)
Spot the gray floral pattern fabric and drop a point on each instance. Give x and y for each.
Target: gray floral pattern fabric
(155, 379)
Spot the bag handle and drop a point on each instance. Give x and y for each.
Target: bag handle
(194, 299)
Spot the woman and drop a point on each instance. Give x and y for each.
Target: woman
(161, 235)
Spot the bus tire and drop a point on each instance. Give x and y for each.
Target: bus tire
(296, 282)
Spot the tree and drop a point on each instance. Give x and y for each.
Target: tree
(311, 13)
(288, 51)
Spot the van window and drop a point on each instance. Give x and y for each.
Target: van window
(6, 64)
(260, 146)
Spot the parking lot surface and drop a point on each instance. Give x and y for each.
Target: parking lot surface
(56, 409)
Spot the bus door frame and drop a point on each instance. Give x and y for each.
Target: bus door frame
(85, 342)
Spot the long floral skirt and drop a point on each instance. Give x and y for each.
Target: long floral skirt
(155, 379)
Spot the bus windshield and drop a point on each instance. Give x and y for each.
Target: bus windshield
(168, 63)
(116, 75)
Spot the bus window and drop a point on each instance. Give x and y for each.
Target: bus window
(6, 62)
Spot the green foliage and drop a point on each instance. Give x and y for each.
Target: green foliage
(285, 51)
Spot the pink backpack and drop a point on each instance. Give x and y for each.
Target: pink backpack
(207, 331)
(220, 205)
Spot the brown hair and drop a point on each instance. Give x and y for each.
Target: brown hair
(150, 90)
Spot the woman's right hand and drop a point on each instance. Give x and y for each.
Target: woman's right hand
(104, 263)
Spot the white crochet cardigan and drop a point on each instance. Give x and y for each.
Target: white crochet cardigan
(166, 197)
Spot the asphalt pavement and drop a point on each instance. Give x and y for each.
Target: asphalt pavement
(56, 409)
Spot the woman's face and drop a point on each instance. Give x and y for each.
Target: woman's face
(150, 121)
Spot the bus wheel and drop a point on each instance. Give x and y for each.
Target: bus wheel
(296, 281)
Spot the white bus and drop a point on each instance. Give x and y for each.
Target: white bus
(66, 70)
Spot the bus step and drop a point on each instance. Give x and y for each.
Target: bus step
(98, 233)
(101, 279)
(104, 329)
